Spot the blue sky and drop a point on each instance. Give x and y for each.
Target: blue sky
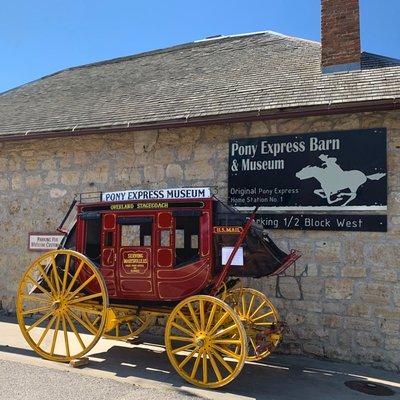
(41, 37)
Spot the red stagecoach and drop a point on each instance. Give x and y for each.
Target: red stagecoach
(130, 256)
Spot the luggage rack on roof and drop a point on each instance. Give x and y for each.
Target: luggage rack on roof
(88, 197)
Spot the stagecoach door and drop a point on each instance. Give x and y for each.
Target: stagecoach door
(134, 255)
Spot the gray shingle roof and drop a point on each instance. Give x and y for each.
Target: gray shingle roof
(261, 71)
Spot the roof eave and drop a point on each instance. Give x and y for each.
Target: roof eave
(290, 112)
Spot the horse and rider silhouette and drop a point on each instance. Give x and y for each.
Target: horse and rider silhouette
(334, 181)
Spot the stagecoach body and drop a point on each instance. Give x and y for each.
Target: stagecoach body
(124, 261)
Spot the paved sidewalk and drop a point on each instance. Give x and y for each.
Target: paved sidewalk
(146, 365)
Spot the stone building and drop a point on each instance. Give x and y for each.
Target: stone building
(164, 119)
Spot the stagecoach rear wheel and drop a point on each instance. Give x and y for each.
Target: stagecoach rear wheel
(205, 341)
(260, 320)
(54, 294)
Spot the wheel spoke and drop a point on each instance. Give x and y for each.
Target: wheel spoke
(243, 297)
(55, 334)
(76, 274)
(72, 326)
(72, 295)
(258, 309)
(253, 345)
(66, 271)
(36, 310)
(195, 366)
(83, 323)
(202, 316)
(250, 305)
(215, 366)
(224, 331)
(183, 348)
(264, 323)
(205, 368)
(37, 284)
(43, 274)
(211, 317)
(39, 321)
(85, 309)
(194, 317)
(30, 297)
(84, 298)
(222, 361)
(263, 316)
(182, 329)
(226, 352)
(64, 324)
(49, 325)
(181, 338)
(186, 321)
(55, 273)
(187, 358)
(223, 318)
(227, 341)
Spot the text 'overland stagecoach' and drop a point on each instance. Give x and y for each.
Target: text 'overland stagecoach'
(130, 256)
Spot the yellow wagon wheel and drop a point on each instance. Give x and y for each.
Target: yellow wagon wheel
(260, 320)
(127, 323)
(55, 292)
(205, 341)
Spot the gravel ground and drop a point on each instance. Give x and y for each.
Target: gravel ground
(20, 382)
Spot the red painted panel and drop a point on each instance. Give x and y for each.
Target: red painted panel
(205, 234)
(179, 288)
(108, 257)
(109, 221)
(139, 286)
(164, 257)
(164, 220)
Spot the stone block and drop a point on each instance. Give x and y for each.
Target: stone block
(174, 171)
(17, 181)
(328, 271)
(199, 170)
(374, 293)
(353, 272)
(358, 310)
(328, 252)
(33, 181)
(154, 173)
(339, 289)
(70, 178)
(289, 288)
(145, 141)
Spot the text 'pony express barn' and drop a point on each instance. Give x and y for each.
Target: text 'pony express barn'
(309, 132)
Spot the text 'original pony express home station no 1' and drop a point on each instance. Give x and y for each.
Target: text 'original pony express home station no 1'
(307, 132)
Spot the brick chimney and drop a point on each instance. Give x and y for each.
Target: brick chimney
(340, 35)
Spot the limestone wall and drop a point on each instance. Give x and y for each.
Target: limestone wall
(344, 302)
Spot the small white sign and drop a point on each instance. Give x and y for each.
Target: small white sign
(157, 194)
(237, 259)
(44, 241)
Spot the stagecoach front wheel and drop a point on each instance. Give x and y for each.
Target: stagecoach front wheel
(58, 289)
(260, 320)
(205, 341)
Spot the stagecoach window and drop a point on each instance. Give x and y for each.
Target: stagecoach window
(186, 239)
(92, 242)
(164, 238)
(136, 234)
(179, 239)
(195, 241)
